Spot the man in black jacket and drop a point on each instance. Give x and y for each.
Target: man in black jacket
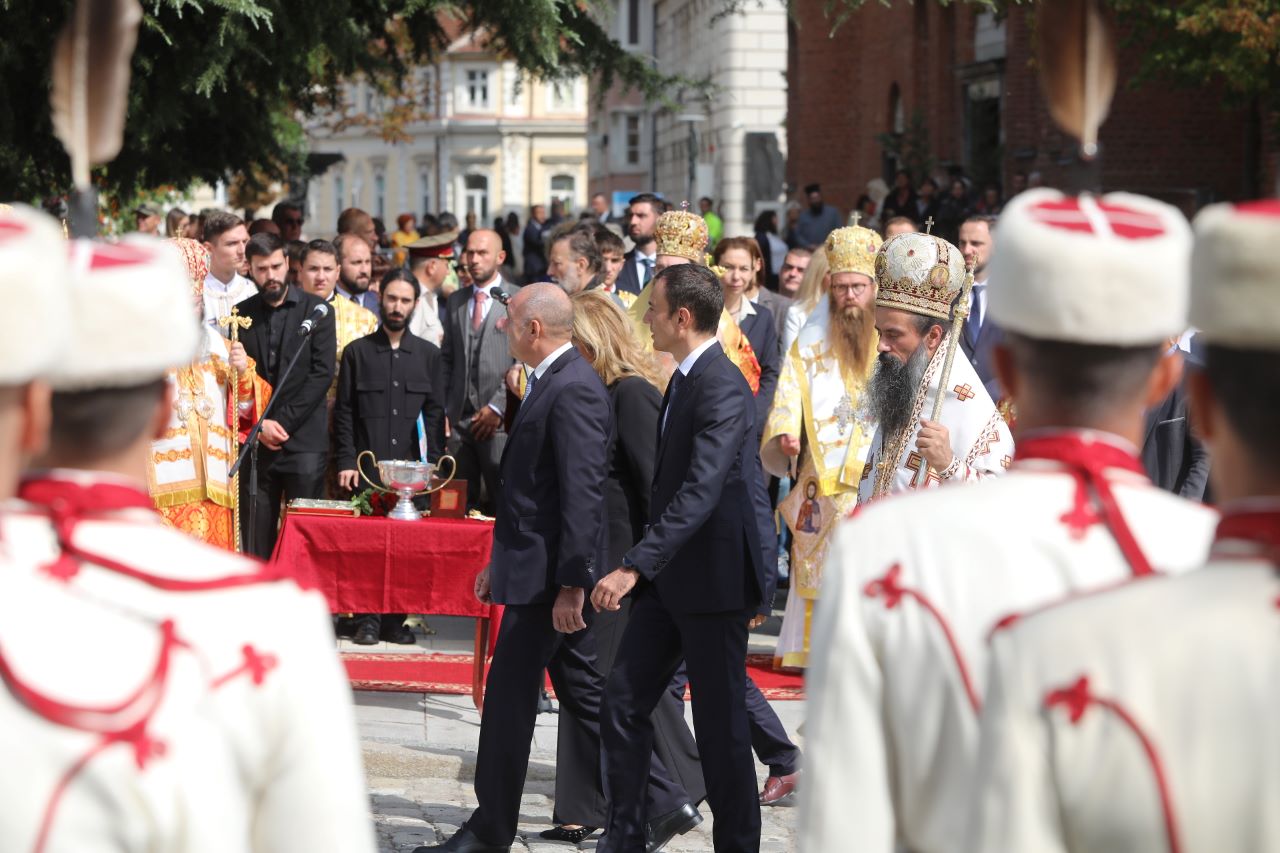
(705, 564)
(391, 402)
(549, 542)
(295, 439)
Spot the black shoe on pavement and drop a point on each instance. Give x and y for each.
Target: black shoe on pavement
(401, 636)
(465, 841)
(366, 635)
(666, 827)
(544, 704)
(571, 836)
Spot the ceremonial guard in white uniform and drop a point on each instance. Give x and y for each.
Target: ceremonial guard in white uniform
(917, 583)
(190, 699)
(1144, 719)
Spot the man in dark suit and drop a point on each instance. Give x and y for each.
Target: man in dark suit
(476, 359)
(638, 264)
(980, 336)
(1174, 458)
(294, 441)
(705, 564)
(549, 542)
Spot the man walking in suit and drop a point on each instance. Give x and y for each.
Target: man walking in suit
(549, 542)
(977, 236)
(476, 358)
(294, 441)
(704, 565)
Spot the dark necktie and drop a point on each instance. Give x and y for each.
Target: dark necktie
(673, 388)
(528, 385)
(648, 270)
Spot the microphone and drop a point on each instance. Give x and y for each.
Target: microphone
(499, 294)
(308, 325)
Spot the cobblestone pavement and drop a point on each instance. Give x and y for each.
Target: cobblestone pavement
(419, 755)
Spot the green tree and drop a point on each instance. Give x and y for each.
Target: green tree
(221, 88)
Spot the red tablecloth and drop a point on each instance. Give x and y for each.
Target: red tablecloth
(379, 565)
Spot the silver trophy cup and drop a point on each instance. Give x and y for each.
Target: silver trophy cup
(407, 478)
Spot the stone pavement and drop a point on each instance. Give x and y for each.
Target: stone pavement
(419, 752)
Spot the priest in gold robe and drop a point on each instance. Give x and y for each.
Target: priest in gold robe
(819, 426)
(187, 474)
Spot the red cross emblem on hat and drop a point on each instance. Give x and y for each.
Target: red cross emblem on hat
(107, 255)
(1265, 207)
(10, 228)
(1099, 218)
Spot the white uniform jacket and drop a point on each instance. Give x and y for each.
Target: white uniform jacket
(915, 585)
(1144, 719)
(160, 694)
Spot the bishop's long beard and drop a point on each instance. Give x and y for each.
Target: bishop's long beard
(850, 332)
(893, 389)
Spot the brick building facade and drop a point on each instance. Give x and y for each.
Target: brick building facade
(971, 79)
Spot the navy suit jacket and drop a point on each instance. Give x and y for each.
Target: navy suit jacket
(628, 278)
(711, 545)
(551, 528)
(982, 355)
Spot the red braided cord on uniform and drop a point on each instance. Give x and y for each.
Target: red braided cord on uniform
(1076, 699)
(893, 592)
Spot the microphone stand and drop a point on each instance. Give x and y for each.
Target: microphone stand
(250, 449)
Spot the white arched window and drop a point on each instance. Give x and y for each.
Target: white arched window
(476, 191)
(563, 188)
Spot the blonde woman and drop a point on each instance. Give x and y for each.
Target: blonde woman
(604, 336)
(809, 298)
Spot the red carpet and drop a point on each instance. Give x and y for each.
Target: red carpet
(428, 673)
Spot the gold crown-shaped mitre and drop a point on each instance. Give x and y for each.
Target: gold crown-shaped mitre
(919, 273)
(682, 234)
(853, 249)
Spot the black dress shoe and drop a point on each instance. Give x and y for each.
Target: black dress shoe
(401, 636)
(572, 836)
(366, 635)
(666, 827)
(465, 841)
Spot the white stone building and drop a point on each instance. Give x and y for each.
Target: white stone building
(730, 145)
(484, 140)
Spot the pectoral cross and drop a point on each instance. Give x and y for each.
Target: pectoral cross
(234, 322)
(856, 217)
(844, 413)
(928, 225)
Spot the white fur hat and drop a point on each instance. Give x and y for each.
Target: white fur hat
(133, 317)
(1110, 270)
(35, 323)
(1235, 295)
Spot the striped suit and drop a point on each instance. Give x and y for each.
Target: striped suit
(475, 365)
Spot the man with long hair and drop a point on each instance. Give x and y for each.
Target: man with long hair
(820, 392)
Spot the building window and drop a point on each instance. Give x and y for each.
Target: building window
(476, 190)
(631, 140)
(339, 191)
(562, 189)
(380, 194)
(428, 84)
(633, 23)
(424, 189)
(562, 97)
(478, 90)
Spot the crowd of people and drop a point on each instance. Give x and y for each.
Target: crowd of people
(668, 430)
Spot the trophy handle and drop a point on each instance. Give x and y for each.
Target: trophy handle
(372, 484)
(453, 470)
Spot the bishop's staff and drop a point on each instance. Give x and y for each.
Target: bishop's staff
(960, 313)
(235, 323)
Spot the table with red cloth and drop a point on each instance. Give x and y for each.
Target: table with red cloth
(382, 565)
